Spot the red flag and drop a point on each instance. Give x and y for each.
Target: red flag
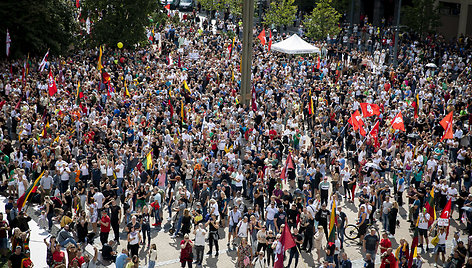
(167, 7)
(2, 103)
(105, 77)
(362, 131)
(288, 164)
(171, 108)
(262, 37)
(253, 99)
(52, 88)
(285, 242)
(18, 104)
(445, 216)
(318, 63)
(397, 122)
(446, 123)
(374, 133)
(270, 39)
(77, 3)
(369, 109)
(446, 120)
(356, 120)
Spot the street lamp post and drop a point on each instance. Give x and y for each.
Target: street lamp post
(248, 20)
(397, 29)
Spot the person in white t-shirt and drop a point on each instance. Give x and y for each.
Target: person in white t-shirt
(441, 246)
(199, 233)
(243, 228)
(423, 220)
(452, 195)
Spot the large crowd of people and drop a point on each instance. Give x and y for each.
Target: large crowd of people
(161, 136)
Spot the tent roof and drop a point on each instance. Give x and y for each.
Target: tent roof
(295, 45)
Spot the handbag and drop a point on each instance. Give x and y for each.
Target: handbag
(435, 240)
(246, 261)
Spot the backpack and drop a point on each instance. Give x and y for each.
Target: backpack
(163, 194)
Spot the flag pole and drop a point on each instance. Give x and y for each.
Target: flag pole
(368, 133)
(341, 131)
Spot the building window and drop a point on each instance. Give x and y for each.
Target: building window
(449, 9)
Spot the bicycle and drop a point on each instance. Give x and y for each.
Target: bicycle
(351, 231)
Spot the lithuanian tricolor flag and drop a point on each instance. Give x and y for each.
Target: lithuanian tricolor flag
(79, 94)
(429, 205)
(332, 223)
(31, 190)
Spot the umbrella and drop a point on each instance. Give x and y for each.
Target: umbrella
(468, 209)
(413, 136)
(372, 165)
(431, 65)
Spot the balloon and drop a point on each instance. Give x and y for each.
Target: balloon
(120, 45)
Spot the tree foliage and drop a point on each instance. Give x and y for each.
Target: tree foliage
(422, 16)
(280, 13)
(37, 26)
(216, 4)
(119, 20)
(323, 20)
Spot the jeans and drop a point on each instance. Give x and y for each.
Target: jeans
(119, 182)
(157, 215)
(50, 216)
(199, 254)
(341, 236)
(179, 224)
(293, 253)
(270, 224)
(151, 264)
(146, 228)
(67, 241)
(385, 221)
(189, 185)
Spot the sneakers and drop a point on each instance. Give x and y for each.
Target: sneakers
(173, 236)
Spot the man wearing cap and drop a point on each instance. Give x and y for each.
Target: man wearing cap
(14, 261)
(324, 190)
(423, 220)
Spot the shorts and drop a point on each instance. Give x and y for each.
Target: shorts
(363, 229)
(93, 218)
(423, 232)
(440, 248)
(231, 228)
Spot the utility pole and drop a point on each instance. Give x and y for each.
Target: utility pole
(397, 29)
(248, 22)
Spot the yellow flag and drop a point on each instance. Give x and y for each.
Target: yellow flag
(126, 90)
(99, 65)
(186, 87)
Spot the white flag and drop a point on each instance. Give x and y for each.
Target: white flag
(8, 43)
(43, 62)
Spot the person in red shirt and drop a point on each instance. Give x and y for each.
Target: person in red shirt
(385, 243)
(58, 256)
(388, 259)
(104, 227)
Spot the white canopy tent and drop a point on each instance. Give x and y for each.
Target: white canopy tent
(295, 45)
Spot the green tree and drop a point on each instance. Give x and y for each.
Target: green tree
(213, 5)
(38, 26)
(280, 13)
(119, 20)
(422, 16)
(323, 20)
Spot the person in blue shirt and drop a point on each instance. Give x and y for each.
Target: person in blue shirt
(345, 262)
(122, 259)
